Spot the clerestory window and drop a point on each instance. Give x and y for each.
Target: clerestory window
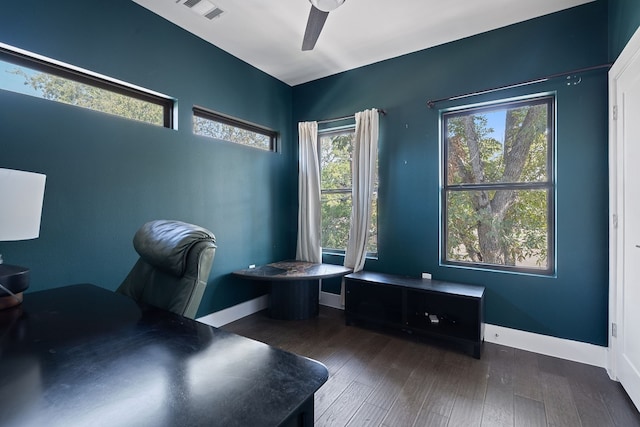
(31, 74)
(219, 126)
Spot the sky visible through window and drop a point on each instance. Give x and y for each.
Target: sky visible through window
(496, 121)
(84, 89)
(498, 186)
(13, 81)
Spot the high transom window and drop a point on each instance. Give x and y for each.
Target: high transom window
(226, 128)
(498, 186)
(34, 75)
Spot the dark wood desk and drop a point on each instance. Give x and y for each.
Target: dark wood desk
(295, 286)
(85, 356)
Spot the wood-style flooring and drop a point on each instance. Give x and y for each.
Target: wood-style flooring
(380, 379)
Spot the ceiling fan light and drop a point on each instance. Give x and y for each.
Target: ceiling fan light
(326, 5)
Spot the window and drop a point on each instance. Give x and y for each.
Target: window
(219, 126)
(336, 148)
(498, 186)
(34, 75)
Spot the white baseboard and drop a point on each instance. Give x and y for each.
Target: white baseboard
(231, 314)
(576, 351)
(247, 308)
(331, 300)
(551, 346)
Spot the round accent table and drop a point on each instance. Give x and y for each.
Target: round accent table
(295, 286)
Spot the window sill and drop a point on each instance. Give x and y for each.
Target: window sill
(341, 254)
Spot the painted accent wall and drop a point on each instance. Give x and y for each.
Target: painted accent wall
(624, 20)
(572, 305)
(106, 175)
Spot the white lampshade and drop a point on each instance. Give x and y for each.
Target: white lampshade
(21, 196)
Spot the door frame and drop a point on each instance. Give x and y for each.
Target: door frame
(616, 186)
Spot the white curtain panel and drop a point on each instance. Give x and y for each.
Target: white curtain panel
(309, 243)
(365, 154)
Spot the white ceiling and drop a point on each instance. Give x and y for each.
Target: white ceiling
(268, 33)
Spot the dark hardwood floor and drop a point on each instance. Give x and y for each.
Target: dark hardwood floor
(379, 379)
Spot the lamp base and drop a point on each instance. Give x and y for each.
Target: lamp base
(15, 279)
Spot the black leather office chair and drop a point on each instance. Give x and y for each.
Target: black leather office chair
(174, 266)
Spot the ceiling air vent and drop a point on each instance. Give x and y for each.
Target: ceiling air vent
(214, 13)
(202, 7)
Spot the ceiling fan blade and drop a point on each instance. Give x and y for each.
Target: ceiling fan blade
(314, 26)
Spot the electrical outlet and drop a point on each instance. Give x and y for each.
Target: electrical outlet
(426, 276)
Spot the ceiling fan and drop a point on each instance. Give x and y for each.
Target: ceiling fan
(317, 16)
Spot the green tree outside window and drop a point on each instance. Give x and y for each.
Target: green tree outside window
(498, 186)
(336, 149)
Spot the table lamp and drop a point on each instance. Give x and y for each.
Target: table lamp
(21, 196)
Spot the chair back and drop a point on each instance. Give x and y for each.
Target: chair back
(173, 268)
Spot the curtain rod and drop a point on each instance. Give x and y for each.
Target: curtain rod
(337, 119)
(432, 103)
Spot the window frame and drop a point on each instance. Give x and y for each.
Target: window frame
(329, 131)
(550, 99)
(76, 74)
(207, 114)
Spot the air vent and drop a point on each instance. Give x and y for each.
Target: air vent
(202, 7)
(214, 13)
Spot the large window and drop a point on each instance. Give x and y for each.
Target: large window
(498, 186)
(34, 75)
(336, 148)
(219, 126)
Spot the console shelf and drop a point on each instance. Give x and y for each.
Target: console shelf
(433, 308)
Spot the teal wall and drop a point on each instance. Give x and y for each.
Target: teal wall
(106, 176)
(624, 20)
(572, 305)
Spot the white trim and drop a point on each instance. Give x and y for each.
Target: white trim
(331, 300)
(551, 346)
(231, 314)
(81, 70)
(613, 229)
(247, 308)
(557, 347)
(616, 182)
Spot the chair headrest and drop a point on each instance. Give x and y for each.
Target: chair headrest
(165, 244)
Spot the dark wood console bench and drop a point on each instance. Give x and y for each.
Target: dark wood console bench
(433, 308)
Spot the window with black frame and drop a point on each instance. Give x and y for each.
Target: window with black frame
(226, 128)
(31, 74)
(498, 186)
(335, 155)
